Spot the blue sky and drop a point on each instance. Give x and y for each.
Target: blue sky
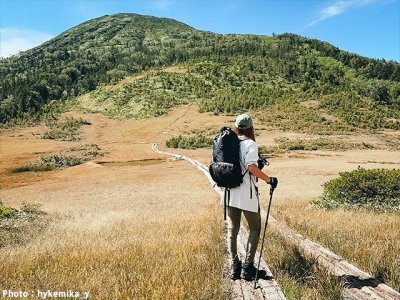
(367, 27)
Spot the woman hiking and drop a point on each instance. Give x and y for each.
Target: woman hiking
(244, 199)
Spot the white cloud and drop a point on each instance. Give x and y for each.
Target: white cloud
(13, 40)
(161, 4)
(338, 8)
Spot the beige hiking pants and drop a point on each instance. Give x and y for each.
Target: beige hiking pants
(254, 221)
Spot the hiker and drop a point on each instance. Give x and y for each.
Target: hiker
(244, 199)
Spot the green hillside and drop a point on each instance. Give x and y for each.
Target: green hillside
(280, 75)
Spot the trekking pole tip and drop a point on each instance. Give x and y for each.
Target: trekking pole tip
(255, 283)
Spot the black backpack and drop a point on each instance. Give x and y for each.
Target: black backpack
(225, 168)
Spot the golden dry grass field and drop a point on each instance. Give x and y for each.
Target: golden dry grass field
(145, 230)
(153, 229)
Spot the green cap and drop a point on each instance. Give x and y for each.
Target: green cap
(243, 122)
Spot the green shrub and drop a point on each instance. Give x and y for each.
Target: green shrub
(49, 163)
(5, 211)
(191, 142)
(376, 189)
(61, 161)
(57, 161)
(68, 130)
(326, 144)
(33, 167)
(19, 226)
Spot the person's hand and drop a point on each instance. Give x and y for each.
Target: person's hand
(273, 181)
(262, 162)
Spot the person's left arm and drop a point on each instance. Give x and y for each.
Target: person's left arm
(253, 169)
(251, 159)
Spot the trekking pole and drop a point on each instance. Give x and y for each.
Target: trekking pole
(225, 196)
(271, 191)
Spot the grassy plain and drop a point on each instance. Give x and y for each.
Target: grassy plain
(147, 231)
(120, 231)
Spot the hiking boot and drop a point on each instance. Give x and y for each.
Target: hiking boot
(236, 269)
(249, 272)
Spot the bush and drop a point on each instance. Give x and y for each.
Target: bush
(287, 145)
(19, 226)
(5, 211)
(50, 163)
(191, 142)
(57, 161)
(68, 130)
(376, 189)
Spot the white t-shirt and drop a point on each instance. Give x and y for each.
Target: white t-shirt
(245, 196)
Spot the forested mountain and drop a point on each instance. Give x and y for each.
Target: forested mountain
(225, 73)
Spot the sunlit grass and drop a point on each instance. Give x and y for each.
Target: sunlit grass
(154, 242)
(299, 277)
(367, 239)
(177, 261)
